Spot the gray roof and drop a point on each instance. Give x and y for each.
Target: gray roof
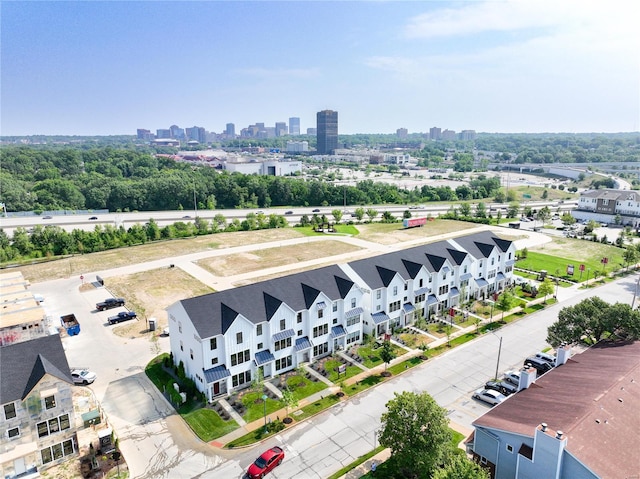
(212, 314)
(24, 364)
(612, 194)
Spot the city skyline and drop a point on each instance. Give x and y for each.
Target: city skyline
(109, 68)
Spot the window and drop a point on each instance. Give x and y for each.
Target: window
(259, 330)
(299, 317)
(395, 306)
(419, 299)
(320, 314)
(406, 286)
(430, 279)
(191, 353)
(283, 324)
(299, 332)
(239, 338)
(43, 429)
(443, 289)
(491, 274)
(395, 291)
(483, 460)
(481, 264)
(239, 358)
(510, 448)
(15, 432)
(353, 337)
(284, 363)
(57, 451)
(213, 343)
(54, 425)
(214, 361)
(378, 294)
(335, 321)
(353, 320)
(465, 269)
(179, 327)
(353, 302)
(334, 307)
(241, 378)
(320, 330)
(181, 346)
(421, 281)
(283, 343)
(50, 402)
(260, 346)
(9, 410)
(321, 349)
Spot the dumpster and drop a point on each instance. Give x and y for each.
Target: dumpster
(152, 324)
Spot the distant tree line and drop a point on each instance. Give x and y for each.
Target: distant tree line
(43, 179)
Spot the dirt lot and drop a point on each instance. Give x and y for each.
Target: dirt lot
(393, 233)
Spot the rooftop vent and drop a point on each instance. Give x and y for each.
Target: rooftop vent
(544, 426)
(559, 435)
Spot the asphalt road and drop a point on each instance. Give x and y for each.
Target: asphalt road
(157, 444)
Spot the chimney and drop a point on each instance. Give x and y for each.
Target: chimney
(544, 426)
(563, 354)
(559, 434)
(527, 377)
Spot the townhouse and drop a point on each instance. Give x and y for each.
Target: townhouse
(222, 338)
(37, 422)
(578, 421)
(607, 205)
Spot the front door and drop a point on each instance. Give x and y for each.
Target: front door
(19, 466)
(216, 389)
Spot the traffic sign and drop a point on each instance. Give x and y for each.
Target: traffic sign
(526, 196)
(81, 277)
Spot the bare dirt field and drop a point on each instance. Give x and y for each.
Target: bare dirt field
(571, 248)
(392, 233)
(268, 258)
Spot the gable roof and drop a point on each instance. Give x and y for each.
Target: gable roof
(24, 364)
(594, 399)
(612, 194)
(213, 314)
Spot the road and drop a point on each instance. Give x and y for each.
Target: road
(157, 444)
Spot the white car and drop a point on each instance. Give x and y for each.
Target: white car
(489, 396)
(83, 376)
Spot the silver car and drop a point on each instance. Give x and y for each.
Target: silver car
(489, 396)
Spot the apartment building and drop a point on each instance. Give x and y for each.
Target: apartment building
(578, 421)
(37, 422)
(275, 325)
(604, 205)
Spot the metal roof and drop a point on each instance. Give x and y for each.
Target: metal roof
(216, 374)
(338, 331)
(287, 333)
(302, 344)
(380, 317)
(264, 357)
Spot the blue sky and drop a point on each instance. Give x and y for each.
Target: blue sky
(102, 68)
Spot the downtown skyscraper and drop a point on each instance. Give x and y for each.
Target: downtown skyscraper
(327, 132)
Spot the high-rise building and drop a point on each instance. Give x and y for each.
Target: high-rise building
(177, 132)
(196, 133)
(294, 126)
(163, 133)
(435, 133)
(467, 135)
(281, 128)
(230, 131)
(327, 135)
(144, 134)
(402, 132)
(449, 135)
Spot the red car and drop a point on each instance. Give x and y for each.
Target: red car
(265, 463)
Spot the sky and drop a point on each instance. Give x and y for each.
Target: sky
(109, 68)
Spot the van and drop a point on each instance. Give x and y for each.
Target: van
(540, 366)
(549, 358)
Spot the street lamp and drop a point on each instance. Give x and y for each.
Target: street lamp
(499, 351)
(264, 399)
(557, 284)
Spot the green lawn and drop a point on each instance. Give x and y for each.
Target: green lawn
(334, 376)
(301, 387)
(208, 425)
(371, 355)
(340, 229)
(539, 261)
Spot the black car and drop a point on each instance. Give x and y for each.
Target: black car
(502, 387)
(288, 212)
(315, 211)
(92, 218)
(540, 366)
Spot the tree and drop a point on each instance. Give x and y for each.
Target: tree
(371, 213)
(544, 214)
(416, 430)
(459, 467)
(481, 210)
(359, 213)
(630, 255)
(505, 302)
(512, 211)
(387, 354)
(337, 215)
(289, 399)
(592, 320)
(465, 209)
(546, 288)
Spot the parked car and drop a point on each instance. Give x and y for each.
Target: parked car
(550, 358)
(91, 218)
(489, 396)
(266, 463)
(513, 377)
(122, 316)
(83, 376)
(110, 303)
(502, 387)
(540, 366)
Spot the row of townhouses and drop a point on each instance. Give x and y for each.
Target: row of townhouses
(223, 338)
(604, 205)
